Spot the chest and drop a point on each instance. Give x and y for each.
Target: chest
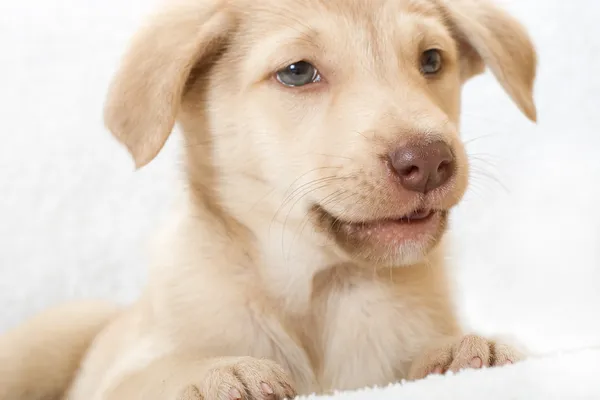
(364, 332)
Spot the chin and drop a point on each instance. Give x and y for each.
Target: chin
(390, 242)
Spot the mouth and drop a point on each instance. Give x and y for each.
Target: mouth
(385, 238)
(408, 227)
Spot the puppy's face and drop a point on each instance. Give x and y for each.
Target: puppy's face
(346, 109)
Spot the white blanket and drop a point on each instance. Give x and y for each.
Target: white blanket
(74, 217)
(571, 376)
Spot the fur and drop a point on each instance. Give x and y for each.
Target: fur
(262, 287)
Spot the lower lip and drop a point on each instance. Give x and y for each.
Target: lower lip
(417, 216)
(417, 227)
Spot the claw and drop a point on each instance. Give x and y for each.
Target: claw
(476, 362)
(235, 394)
(266, 388)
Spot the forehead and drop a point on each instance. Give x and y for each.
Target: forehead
(371, 32)
(357, 11)
(338, 23)
(319, 14)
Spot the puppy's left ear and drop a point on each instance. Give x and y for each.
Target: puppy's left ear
(489, 36)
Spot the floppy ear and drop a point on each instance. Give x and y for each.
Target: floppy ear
(489, 36)
(145, 95)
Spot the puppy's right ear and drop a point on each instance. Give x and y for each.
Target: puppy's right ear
(145, 95)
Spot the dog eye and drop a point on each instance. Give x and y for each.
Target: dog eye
(431, 62)
(298, 74)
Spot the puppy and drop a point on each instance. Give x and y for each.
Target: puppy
(322, 156)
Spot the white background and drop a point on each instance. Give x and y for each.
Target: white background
(74, 217)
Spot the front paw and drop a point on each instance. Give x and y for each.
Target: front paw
(470, 351)
(243, 378)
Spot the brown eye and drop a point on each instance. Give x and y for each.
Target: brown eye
(431, 62)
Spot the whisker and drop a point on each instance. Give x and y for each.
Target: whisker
(285, 222)
(478, 138)
(484, 175)
(333, 156)
(306, 219)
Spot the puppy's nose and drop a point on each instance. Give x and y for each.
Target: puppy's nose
(422, 167)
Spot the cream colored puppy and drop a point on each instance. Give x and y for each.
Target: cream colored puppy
(322, 156)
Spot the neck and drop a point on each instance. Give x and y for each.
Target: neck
(285, 251)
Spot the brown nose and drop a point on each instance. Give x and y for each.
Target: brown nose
(423, 167)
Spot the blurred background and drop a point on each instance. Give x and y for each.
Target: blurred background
(75, 218)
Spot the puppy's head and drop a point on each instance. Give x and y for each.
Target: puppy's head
(348, 109)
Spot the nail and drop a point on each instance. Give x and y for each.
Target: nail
(266, 388)
(476, 362)
(235, 394)
(437, 370)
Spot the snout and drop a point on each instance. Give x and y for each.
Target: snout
(418, 179)
(422, 166)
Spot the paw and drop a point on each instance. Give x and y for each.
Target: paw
(243, 378)
(468, 352)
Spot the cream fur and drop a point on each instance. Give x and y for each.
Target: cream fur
(251, 287)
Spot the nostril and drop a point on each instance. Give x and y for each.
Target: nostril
(444, 167)
(409, 171)
(421, 167)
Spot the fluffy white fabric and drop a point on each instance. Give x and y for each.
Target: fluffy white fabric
(74, 216)
(561, 377)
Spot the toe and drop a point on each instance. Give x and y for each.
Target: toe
(472, 352)
(476, 362)
(266, 388)
(235, 394)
